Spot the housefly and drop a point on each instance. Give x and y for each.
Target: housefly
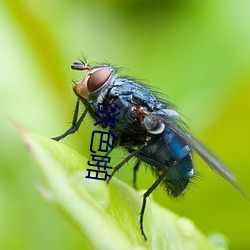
(149, 128)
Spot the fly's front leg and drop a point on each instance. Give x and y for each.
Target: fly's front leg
(75, 123)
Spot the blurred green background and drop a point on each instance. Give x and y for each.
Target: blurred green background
(196, 53)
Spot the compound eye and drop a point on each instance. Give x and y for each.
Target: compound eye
(97, 79)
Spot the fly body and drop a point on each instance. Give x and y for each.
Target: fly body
(149, 128)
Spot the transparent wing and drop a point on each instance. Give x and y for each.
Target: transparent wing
(207, 155)
(175, 124)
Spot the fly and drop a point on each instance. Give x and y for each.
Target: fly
(149, 128)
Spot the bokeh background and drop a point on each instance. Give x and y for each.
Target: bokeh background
(195, 52)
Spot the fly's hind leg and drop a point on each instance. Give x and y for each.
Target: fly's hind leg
(145, 196)
(136, 167)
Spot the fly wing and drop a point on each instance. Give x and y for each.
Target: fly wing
(174, 123)
(207, 155)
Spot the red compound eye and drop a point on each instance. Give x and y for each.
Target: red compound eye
(97, 79)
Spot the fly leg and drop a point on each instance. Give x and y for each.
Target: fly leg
(127, 158)
(145, 196)
(75, 124)
(136, 167)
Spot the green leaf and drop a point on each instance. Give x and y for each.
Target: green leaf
(107, 216)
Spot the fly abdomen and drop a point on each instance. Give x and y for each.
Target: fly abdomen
(178, 176)
(168, 153)
(180, 166)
